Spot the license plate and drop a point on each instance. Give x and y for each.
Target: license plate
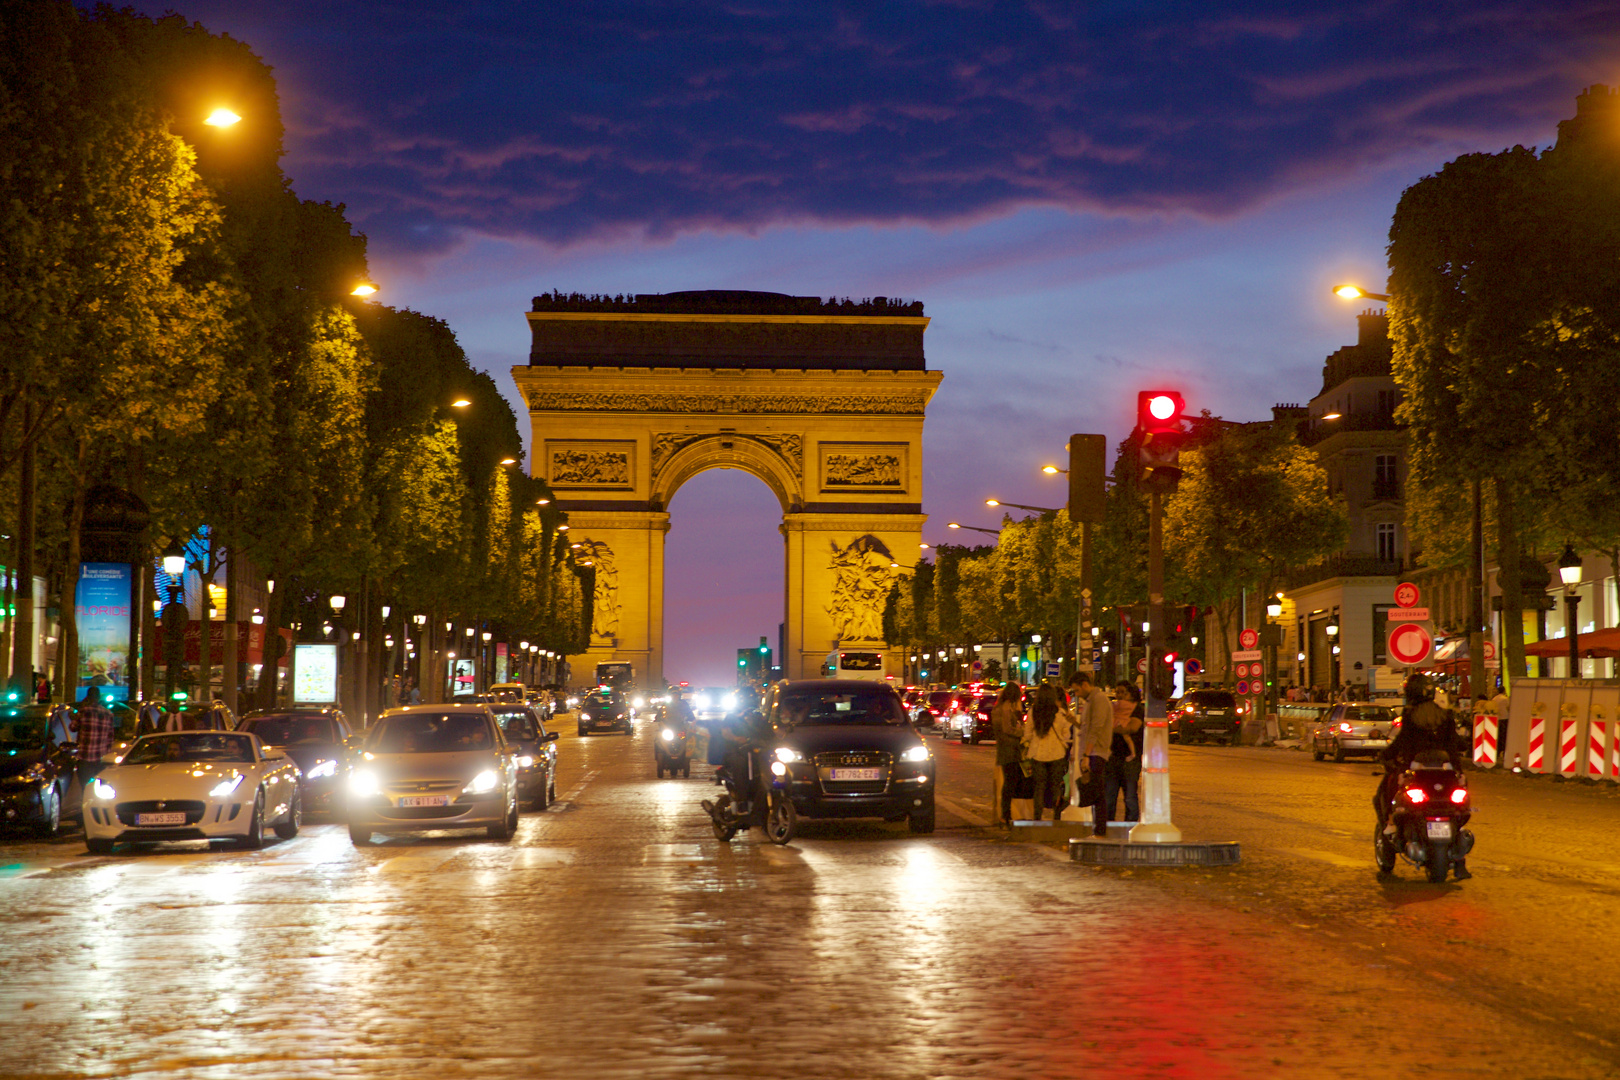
(1217, 712)
(1439, 830)
(854, 774)
(605, 723)
(425, 800)
(173, 818)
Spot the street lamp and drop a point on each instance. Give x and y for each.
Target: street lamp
(1052, 470)
(509, 461)
(338, 601)
(460, 403)
(222, 118)
(1021, 506)
(975, 528)
(1569, 572)
(1356, 292)
(174, 560)
(364, 288)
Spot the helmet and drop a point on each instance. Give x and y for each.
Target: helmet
(1418, 689)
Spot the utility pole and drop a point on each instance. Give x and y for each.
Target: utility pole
(1476, 600)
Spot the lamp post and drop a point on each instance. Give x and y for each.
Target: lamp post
(1333, 653)
(1021, 506)
(975, 528)
(1273, 639)
(1569, 571)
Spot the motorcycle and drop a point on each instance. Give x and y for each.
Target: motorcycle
(672, 749)
(751, 802)
(1429, 812)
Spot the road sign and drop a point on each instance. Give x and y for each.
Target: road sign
(1054, 669)
(1243, 671)
(1257, 671)
(1248, 654)
(1406, 594)
(1410, 643)
(1194, 668)
(1407, 614)
(1490, 655)
(1242, 687)
(1249, 638)
(1141, 666)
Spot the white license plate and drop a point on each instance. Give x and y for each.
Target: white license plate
(854, 774)
(425, 800)
(176, 818)
(1216, 712)
(1439, 830)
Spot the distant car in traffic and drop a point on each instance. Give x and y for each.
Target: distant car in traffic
(933, 708)
(315, 738)
(847, 750)
(605, 710)
(536, 750)
(1202, 715)
(38, 788)
(193, 785)
(970, 717)
(1353, 728)
(428, 767)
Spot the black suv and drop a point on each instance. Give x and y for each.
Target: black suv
(605, 710)
(1207, 714)
(847, 750)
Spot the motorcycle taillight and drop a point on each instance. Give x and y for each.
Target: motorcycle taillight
(1459, 795)
(1416, 795)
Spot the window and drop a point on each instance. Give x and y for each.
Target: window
(1386, 403)
(1384, 484)
(1386, 543)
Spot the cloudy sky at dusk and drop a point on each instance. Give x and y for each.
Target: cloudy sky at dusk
(1087, 198)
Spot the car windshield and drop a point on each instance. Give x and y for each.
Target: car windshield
(431, 733)
(292, 729)
(22, 732)
(198, 746)
(517, 724)
(604, 702)
(1213, 699)
(1369, 714)
(876, 706)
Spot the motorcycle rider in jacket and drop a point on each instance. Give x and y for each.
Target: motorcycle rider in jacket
(1425, 726)
(745, 734)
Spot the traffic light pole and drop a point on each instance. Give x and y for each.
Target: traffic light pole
(1155, 826)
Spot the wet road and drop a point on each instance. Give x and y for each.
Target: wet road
(616, 937)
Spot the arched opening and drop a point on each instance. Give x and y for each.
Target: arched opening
(723, 574)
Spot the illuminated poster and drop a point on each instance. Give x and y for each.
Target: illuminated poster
(500, 661)
(102, 608)
(315, 674)
(463, 679)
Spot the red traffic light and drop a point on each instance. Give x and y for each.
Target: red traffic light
(1159, 410)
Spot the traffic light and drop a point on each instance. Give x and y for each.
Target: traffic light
(1088, 468)
(1178, 633)
(1158, 427)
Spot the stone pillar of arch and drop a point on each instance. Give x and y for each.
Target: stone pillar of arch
(630, 398)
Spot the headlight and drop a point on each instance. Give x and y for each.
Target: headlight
(916, 753)
(572, 702)
(787, 753)
(322, 768)
(364, 782)
(667, 735)
(640, 702)
(584, 716)
(483, 782)
(100, 789)
(225, 787)
(778, 769)
(525, 761)
(728, 702)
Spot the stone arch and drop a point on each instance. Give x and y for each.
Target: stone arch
(775, 459)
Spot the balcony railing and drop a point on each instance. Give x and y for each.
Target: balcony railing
(1386, 489)
(1343, 566)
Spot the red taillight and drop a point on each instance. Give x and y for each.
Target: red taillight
(1459, 795)
(1416, 794)
(1345, 727)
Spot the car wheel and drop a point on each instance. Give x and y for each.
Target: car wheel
(358, 835)
(50, 818)
(1316, 751)
(295, 817)
(98, 847)
(782, 823)
(506, 828)
(582, 731)
(1383, 850)
(964, 738)
(923, 820)
(253, 839)
(540, 800)
(1338, 752)
(551, 790)
(660, 772)
(686, 771)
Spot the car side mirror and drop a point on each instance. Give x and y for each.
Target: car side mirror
(551, 736)
(272, 753)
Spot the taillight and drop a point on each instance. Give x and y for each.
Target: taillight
(1416, 794)
(1459, 795)
(1345, 727)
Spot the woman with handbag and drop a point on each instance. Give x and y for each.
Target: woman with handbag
(1047, 745)
(1007, 724)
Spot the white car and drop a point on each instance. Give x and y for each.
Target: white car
(192, 785)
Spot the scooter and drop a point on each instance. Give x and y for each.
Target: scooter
(1430, 810)
(752, 802)
(672, 748)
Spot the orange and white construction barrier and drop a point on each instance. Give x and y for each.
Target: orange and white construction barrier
(1597, 748)
(1538, 743)
(1485, 740)
(1569, 750)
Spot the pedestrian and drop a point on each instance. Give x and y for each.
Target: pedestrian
(94, 726)
(416, 694)
(1125, 754)
(1090, 701)
(1007, 724)
(1092, 748)
(1047, 745)
(42, 690)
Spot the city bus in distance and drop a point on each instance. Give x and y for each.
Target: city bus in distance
(615, 673)
(852, 664)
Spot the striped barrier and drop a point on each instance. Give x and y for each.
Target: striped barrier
(1614, 759)
(1569, 750)
(1485, 747)
(1538, 748)
(1597, 748)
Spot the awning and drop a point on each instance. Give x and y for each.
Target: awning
(1597, 644)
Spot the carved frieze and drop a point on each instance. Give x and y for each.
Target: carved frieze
(790, 448)
(904, 403)
(864, 470)
(862, 572)
(588, 467)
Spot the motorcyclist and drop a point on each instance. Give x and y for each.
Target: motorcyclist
(1425, 727)
(745, 733)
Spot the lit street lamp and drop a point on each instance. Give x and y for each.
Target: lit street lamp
(1021, 506)
(222, 118)
(1569, 572)
(975, 528)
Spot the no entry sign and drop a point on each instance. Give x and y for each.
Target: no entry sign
(1410, 643)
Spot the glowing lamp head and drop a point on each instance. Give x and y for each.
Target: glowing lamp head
(222, 118)
(365, 288)
(1348, 292)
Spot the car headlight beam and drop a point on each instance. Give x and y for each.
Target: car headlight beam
(225, 787)
(916, 753)
(364, 782)
(322, 768)
(482, 783)
(100, 789)
(526, 761)
(787, 753)
(668, 735)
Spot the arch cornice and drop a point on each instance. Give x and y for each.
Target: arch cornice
(766, 457)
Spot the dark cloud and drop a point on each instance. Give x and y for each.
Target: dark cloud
(575, 120)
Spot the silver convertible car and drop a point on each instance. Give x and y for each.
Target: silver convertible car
(192, 785)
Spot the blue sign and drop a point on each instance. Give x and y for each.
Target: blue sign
(101, 606)
(1054, 669)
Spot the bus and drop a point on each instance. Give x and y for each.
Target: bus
(617, 674)
(854, 664)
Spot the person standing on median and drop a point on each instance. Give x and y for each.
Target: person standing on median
(1092, 748)
(1125, 752)
(1007, 724)
(1048, 747)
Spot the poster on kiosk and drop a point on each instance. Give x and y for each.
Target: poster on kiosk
(315, 674)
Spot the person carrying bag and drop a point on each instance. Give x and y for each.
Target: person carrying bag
(1007, 724)
(1047, 745)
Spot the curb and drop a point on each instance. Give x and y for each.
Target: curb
(1096, 851)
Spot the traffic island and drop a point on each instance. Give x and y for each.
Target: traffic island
(1108, 851)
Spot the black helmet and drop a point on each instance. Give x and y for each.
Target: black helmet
(1418, 689)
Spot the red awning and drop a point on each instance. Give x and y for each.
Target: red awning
(1599, 644)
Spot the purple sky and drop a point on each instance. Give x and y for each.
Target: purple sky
(1088, 199)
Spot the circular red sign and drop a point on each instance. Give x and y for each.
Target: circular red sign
(1194, 668)
(1141, 666)
(1258, 671)
(1249, 638)
(1406, 594)
(1490, 650)
(1243, 686)
(1409, 643)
